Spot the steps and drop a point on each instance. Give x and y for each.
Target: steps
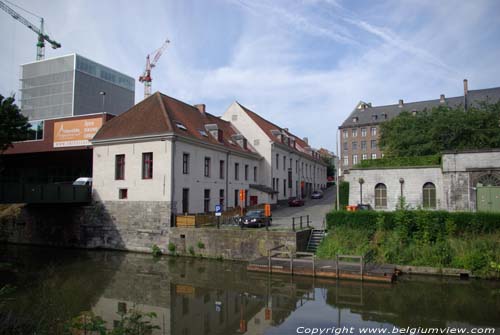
(317, 235)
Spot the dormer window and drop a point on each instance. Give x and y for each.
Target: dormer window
(180, 125)
(384, 116)
(203, 133)
(374, 117)
(355, 119)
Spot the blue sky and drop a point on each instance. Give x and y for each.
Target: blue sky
(302, 64)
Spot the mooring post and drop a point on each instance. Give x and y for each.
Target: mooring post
(291, 262)
(337, 265)
(269, 260)
(301, 222)
(293, 223)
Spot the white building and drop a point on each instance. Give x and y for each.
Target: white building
(290, 165)
(163, 151)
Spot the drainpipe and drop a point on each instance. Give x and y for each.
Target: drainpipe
(226, 200)
(172, 183)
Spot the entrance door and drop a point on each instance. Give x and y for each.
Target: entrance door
(253, 200)
(488, 198)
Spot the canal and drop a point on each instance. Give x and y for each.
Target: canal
(199, 296)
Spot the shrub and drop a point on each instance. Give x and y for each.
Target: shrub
(156, 251)
(191, 251)
(171, 248)
(431, 160)
(343, 194)
(201, 245)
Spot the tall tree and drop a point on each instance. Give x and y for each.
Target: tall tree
(442, 128)
(13, 125)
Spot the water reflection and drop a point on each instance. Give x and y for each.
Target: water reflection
(194, 296)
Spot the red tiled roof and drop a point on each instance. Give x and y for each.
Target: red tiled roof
(268, 127)
(159, 114)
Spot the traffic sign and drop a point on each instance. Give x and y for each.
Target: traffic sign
(218, 210)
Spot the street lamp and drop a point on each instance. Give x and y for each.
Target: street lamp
(361, 181)
(401, 182)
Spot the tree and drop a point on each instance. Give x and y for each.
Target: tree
(330, 166)
(13, 125)
(442, 128)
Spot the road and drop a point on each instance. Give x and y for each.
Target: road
(316, 209)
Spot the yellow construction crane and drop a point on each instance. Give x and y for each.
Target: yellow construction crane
(42, 37)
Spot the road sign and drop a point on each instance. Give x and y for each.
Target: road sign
(218, 210)
(267, 210)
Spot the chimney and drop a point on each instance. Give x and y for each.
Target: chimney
(466, 91)
(305, 139)
(201, 108)
(245, 144)
(286, 129)
(401, 103)
(442, 99)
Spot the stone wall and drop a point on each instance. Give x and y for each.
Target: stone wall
(235, 244)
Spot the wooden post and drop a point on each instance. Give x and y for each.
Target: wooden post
(337, 266)
(362, 267)
(291, 262)
(314, 267)
(269, 259)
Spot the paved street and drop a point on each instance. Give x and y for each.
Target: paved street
(316, 209)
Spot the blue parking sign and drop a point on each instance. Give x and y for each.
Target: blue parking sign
(218, 208)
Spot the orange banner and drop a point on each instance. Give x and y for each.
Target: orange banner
(75, 133)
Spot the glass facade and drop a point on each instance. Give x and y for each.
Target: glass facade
(73, 85)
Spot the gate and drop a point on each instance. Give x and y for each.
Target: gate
(488, 198)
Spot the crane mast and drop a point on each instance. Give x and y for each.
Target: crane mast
(146, 76)
(42, 37)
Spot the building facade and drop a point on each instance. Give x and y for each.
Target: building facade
(360, 132)
(465, 181)
(291, 167)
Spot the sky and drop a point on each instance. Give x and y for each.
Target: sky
(302, 64)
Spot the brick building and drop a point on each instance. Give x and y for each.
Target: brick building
(360, 132)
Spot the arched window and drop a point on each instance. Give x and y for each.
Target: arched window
(380, 196)
(429, 192)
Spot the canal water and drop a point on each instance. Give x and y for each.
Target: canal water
(198, 296)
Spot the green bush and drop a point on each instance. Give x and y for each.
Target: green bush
(156, 251)
(191, 251)
(343, 194)
(433, 160)
(171, 248)
(201, 245)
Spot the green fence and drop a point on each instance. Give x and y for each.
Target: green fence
(11, 193)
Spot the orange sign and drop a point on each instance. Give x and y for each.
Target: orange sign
(242, 195)
(75, 133)
(267, 210)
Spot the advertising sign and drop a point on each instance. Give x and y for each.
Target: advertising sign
(75, 133)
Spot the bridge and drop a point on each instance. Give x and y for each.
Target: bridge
(44, 193)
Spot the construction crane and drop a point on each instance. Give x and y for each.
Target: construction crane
(146, 76)
(42, 37)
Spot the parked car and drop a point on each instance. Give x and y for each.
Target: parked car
(295, 202)
(255, 218)
(317, 195)
(364, 207)
(83, 181)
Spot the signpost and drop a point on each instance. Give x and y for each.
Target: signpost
(218, 213)
(267, 213)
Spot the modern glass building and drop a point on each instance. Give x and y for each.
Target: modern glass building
(73, 85)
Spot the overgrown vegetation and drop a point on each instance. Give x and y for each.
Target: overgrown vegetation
(201, 245)
(432, 160)
(156, 251)
(417, 237)
(171, 248)
(430, 132)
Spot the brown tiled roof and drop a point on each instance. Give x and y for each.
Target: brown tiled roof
(268, 127)
(159, 114)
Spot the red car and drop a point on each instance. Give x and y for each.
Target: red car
(295, 202)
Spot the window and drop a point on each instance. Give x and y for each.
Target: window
(277, 185)
(120, 167)
(290, 178)
(284, 162)
(255, 173)
(355, 132)
(374, 131)
(236, 171)
(180, 126)
(246, 172)
(35, 131)
(380, 196)
(291, 161)
(206, 201)
(147, 165)
(364, 157)
(284, 187)
(354, 159)
(221, 197)
(277, 161)
(207, 167)
(236, 198)
(185, 163)
(363, 145)
(346, 133)
(346, 146)
(185, 200)
(221, 169)
(363, 132)
(373, 144)
(122, 193)
(429, 195)
(374, 156)
(354, 145)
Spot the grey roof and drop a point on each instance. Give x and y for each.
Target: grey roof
(367, 115)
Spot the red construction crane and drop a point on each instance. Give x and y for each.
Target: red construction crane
(146, 76)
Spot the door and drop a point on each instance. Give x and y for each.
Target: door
(488, 198)
(253, 200)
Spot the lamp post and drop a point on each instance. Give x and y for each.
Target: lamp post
(401, 182)
(361, 181)
(103, 95)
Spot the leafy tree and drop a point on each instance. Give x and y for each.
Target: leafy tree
(330, 166)
(442, 128)
(13, 125)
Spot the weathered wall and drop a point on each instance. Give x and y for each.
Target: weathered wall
(135, 225)
(235, 244)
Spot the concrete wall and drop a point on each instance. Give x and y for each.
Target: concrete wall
(471, 160)
(235, 244)
(414, 180)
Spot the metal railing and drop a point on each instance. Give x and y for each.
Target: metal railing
(291, 256)
(298, 221)
(360, 259)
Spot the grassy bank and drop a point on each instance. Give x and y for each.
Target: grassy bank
(420, 238)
